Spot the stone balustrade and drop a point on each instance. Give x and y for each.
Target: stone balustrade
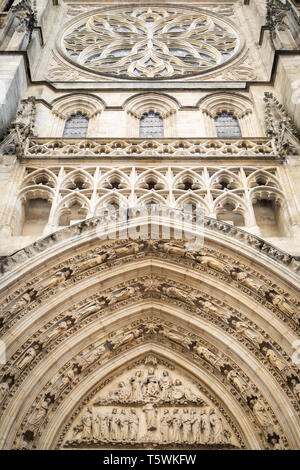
(204, 148)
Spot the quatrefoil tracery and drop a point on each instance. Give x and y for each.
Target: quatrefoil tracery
(151, 42)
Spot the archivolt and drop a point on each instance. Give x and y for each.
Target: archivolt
(244, 314)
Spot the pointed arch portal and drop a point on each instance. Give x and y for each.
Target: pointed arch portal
(143, 343)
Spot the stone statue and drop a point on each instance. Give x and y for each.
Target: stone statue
(205, 426)
(40, 412)
(95, 354)
(179, 294)
(279, 301)
(114, 425)
(86, 421)
(237, 381)
(216, 426)
(210, 262)
(124, 338)
(165, 423)
(123, 392)
(262, 415)
(172, 249)
(165, 385)
(133, 425)
(151, 416)
(176, 337)
(104, 427)
(275, 360)
(245, 279)
(186, 421)
(136, 387)
(206, 354)
(126, 293)
(130, 249)
(29, 356)
(55, 280)
(24, 300)
(196, 427)
(152, 384)
(213, 310)
(60, 328)
(124, 425)
(92, 262)
(251, 335)
(176, 424)
(178, 392)
(4, 387)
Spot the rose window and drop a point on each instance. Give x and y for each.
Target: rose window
(151, 42)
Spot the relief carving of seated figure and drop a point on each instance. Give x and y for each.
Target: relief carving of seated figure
(152, 385)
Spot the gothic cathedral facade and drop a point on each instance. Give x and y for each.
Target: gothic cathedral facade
(115, 117)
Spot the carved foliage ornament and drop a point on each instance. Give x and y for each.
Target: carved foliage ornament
(151, 42)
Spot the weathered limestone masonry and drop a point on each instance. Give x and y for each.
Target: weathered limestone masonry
(149, 343)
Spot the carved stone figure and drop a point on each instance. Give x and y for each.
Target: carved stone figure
(124, 425)
(24, 300)
(152, 384)
(114, 425)
(245, 279)
(172, 249)
(176, 425)
(123, 392)
(133, 425)
(130, 249)
(86, 421)
(104, 427)
(55, 280)
(262, 415)
(205, 426)
(179, 294)
(275, 360)
(165, 385)
(151, 416)
(178, 392)
(92, 262)
(251, 335)
(176, 337)
(29, 356)
(216, 426)
(136, 387)
(279, 301)
(95, 354)
(165, 423)
(210, 262)
(196, 427)
(126, 293)
(125, 338)
(60, 328)
(4, 387)
(206, 354)
(213, 310)
(237, 381)
(186, 421)
(40, 412)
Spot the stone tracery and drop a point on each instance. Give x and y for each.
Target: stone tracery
(159, 42)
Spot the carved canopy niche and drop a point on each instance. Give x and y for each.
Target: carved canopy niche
(139, 42)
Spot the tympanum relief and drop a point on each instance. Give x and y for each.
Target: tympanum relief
(150, 405)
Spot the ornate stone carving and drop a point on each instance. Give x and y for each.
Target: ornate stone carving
(167, 411)
(280, 127)
(201, 148)
(20, 129)
(155, 48)
(25, 13)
